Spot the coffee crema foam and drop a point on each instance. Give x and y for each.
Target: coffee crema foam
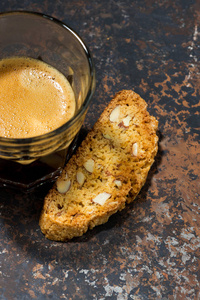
(35, 98)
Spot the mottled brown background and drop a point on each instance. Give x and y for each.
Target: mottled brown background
(151, 250)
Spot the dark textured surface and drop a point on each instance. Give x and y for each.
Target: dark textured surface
(151, 250)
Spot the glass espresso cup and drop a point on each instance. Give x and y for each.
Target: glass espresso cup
(29, 162)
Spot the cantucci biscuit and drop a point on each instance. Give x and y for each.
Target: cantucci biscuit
(107, 171)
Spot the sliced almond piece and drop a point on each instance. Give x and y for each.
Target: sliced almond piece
(113, 203)
(89, 165)
(80, 177)
(118, 183)
(135, 149)
(106, 136)
(102, 198)
(114, 116)
(63, 186)
(126, 121)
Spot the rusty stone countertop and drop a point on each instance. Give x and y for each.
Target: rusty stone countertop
(150, 250)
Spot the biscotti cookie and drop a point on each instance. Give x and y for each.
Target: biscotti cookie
(107, 171)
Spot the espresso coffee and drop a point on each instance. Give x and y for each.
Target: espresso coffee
(35, 98)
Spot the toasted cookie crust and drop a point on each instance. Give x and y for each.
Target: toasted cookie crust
(107, 171)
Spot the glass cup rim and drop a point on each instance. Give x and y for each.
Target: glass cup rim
(88, 97)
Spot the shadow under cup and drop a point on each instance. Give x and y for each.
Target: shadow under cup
(29, 162)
